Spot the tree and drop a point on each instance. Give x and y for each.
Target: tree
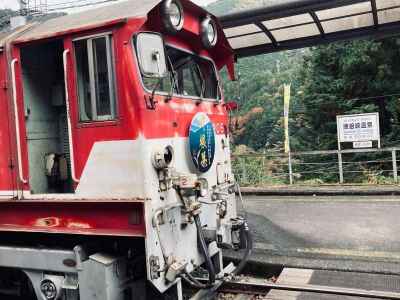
(345, 78)
(5, 18)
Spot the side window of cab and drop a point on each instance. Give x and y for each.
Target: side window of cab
(96, 78)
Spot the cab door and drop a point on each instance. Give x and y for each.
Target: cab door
(100, 137)
(8, 164)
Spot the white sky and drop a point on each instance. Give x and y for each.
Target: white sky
(13, 4)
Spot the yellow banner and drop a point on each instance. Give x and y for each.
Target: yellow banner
(286, 106)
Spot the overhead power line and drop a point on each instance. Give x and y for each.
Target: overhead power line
(71, 6)
(74, 2)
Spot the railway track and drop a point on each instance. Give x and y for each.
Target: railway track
(260, 289)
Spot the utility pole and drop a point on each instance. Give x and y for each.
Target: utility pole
(286, 104)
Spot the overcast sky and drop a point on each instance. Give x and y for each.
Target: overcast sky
(13, 4)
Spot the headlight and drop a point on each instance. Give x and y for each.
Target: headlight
(209, 33)
(163, 157)
(172, 15)
(48, 289)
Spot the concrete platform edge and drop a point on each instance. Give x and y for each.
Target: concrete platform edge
(392, 190)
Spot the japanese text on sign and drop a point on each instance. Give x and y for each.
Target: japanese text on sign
(358, 128)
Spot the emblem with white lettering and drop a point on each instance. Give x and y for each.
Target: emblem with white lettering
(202, 142)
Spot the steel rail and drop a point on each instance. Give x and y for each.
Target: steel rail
(265, 287)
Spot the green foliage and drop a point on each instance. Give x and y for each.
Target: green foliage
(222, 7)
(4, 17)
(335, 79)
(255, 171)
(260, 85)
(326, 81)
(342, 78)
(5, 12)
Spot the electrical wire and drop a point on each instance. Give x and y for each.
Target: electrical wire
(77, 2)
(80, 5)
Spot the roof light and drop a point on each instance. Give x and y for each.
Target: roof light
(172, 15)
(209, 34)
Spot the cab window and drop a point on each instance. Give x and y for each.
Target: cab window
(190, 75)
(95, 76)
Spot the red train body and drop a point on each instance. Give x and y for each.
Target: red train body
(93, 146)
(134, 119)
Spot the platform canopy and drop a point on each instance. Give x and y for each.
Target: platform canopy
(295, 24)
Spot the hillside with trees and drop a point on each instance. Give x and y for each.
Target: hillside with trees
(342, 78)
(5, 18)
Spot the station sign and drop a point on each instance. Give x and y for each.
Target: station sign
(360, 129)
(361, 145)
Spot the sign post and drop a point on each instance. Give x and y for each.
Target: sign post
(286, 106)
(359, 129)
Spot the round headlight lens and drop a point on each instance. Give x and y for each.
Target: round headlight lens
(209, 33)
(162, 158)
(172, 15)
(175, 14)
(48, 289)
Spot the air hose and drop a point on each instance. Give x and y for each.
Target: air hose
(204, 250)
(249, 249)
(212, 284)
(187, 277)
(192, 281)
(247, 234)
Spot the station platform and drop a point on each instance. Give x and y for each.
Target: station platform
(323, 190)
(364, 281)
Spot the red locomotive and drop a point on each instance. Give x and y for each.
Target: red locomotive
(115, 160)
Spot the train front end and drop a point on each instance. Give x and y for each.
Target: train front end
(119, 155)
(191, 214)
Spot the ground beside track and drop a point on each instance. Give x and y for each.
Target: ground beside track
(349, 233)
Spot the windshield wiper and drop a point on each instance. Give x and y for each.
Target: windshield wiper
(172, 76)
(219, 89)
(202, 81)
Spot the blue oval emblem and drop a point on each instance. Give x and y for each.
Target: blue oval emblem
(202, 142)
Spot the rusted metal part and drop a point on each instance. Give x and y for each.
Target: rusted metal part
(111, 218)
(258, 288)
(73, 200)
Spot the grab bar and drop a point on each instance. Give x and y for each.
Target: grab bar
(71, 146)
(16, 117)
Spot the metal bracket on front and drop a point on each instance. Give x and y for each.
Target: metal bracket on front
(150, 102)
(155, 267)
(209, 294)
